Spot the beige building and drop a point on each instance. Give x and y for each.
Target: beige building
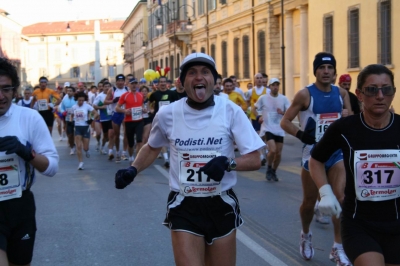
(75, 51)
(12, 42)
(245, 36)
(137, 48)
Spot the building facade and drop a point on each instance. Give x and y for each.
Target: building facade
(12, 42)
(76, 51)
(136, 41)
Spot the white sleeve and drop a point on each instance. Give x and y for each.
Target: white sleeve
(259, 103)
(41, 142)
(158, 137)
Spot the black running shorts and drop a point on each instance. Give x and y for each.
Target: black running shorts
(269, 136)
(209, 217)
(106, 125)
(18, 228)
(48, 117)
(134, 128)
(360, 236)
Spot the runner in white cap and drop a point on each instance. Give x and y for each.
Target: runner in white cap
(200, 131)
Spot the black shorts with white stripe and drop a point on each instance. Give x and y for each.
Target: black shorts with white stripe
(209, 217)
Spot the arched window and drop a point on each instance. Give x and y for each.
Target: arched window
(261, 52)
(203, 50)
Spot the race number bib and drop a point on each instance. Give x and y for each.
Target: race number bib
(377, 174)
(79, 116)
(42, 105)
(322, 123)
(163, 103)
(145, 110)
(69, 114)
(136, 113)
(192, 181)
(10, 186)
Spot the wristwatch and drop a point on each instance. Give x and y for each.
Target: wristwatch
(231, 164)
(32, 155)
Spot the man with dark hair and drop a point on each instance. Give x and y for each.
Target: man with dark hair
(66, 108)
(113, 96)
(345, 83)
(236, 86)
(25, 145)
(203, 211)
(43, 98)
(264, 80)
(319, 105)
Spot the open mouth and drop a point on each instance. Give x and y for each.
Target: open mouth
(200, 90)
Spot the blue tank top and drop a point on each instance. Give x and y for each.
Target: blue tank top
(320, 102)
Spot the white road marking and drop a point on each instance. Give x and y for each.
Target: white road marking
(242, 237)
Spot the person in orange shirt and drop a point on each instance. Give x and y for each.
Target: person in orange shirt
(234, 96)
(43, 98)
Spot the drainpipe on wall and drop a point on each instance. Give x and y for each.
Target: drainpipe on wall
(283, 51)
(253, 29)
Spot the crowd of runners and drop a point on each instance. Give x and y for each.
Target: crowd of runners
(134, 120)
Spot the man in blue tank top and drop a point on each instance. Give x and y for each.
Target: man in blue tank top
(318, 105)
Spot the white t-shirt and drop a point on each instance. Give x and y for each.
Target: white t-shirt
(81, 113)
(223, 95)
(91, 97)
(213, 129)
(268, 106)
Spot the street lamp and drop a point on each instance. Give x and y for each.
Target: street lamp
(189, 26)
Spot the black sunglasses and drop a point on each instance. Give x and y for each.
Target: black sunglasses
(373, 91)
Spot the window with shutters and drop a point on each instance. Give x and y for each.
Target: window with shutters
(328, 34)
(246, 57)
(236, 56)
(212, 48)
(261, 51)
(224, 59)
(385, 32)
(354, 39)
(200, 7)
(75, 72)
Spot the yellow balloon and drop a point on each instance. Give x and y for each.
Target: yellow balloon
(149, 75)
(162, 72)
(156, 75)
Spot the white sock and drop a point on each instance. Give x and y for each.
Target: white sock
(337, 245)
(165, 155)
(307, 236)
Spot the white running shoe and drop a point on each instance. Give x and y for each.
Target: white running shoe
(80, 167)
(306, 248)
(320, 218)
(98, 146)
(338, 256)
(72, 152)
(131, 158)
(87, 154)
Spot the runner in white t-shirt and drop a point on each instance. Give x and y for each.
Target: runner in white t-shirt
(272, 106)
(200, 131)
(81, 115)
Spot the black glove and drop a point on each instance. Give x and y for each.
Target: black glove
(116, 100)
(305, 138)
(89, 122)
(124, 177)
(216, 168)
(11, 144)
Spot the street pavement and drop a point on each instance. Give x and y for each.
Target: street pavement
(83, 220)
